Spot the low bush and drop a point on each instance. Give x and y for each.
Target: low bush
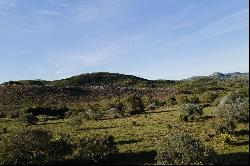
(233, 107)
(183, 149)
(223, 125)
(134, 105)
(2, 115)
(151, 107)
(114, 113)
(94, 149)
(194, 99)
(50, 111)
(28, 118)
(80, 117)
(171, 101)
(14, 114)
(190, 112)
(117, 104)
(30, 147)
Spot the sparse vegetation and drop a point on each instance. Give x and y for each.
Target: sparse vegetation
(137, 114)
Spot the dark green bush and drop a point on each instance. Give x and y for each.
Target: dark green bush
(28, 118)
(171, 101)
(4, 130)
(183, 149)
(117, 104)
(95, 149)
(190, 112)
(30, 147)
(2, 115)
(134, 105)
(14, 114)
(223, 125)
(50, 111)
(194, 99)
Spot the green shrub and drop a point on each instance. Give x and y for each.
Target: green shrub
(93, 115)
(30, 147)
(80, 117)
(208, 97)
(194, 99)
(190, 112)
(50, 111)
(151, 106)
(114, 113)
(223, 125)
(183, 149)
(2, 115)
(28, 118)
(117, 104)
(233, 107)
(96, 107)
(95, 148)
(4, 130)
(134, 105)
(14, 114)
(182, 99)
(171, 101)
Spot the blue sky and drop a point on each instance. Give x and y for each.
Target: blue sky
(153, 39)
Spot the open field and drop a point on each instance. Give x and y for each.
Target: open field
(138, 137)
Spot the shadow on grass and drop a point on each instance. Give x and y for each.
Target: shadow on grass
(118, 159)
(155, 112)
(138, 158)
(127, 141)
(99, 128)
(205, 118)
(241, 132)
(234, 159)
(46, 123)
(239, 143)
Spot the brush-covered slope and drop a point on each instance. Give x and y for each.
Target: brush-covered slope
(102, 79)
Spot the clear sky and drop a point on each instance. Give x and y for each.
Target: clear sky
(153, 39)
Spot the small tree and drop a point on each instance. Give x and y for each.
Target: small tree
(134, 105)
(94, 149)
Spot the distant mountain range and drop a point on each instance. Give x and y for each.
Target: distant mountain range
(222, 75)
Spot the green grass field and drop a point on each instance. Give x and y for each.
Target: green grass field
(137, 137)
